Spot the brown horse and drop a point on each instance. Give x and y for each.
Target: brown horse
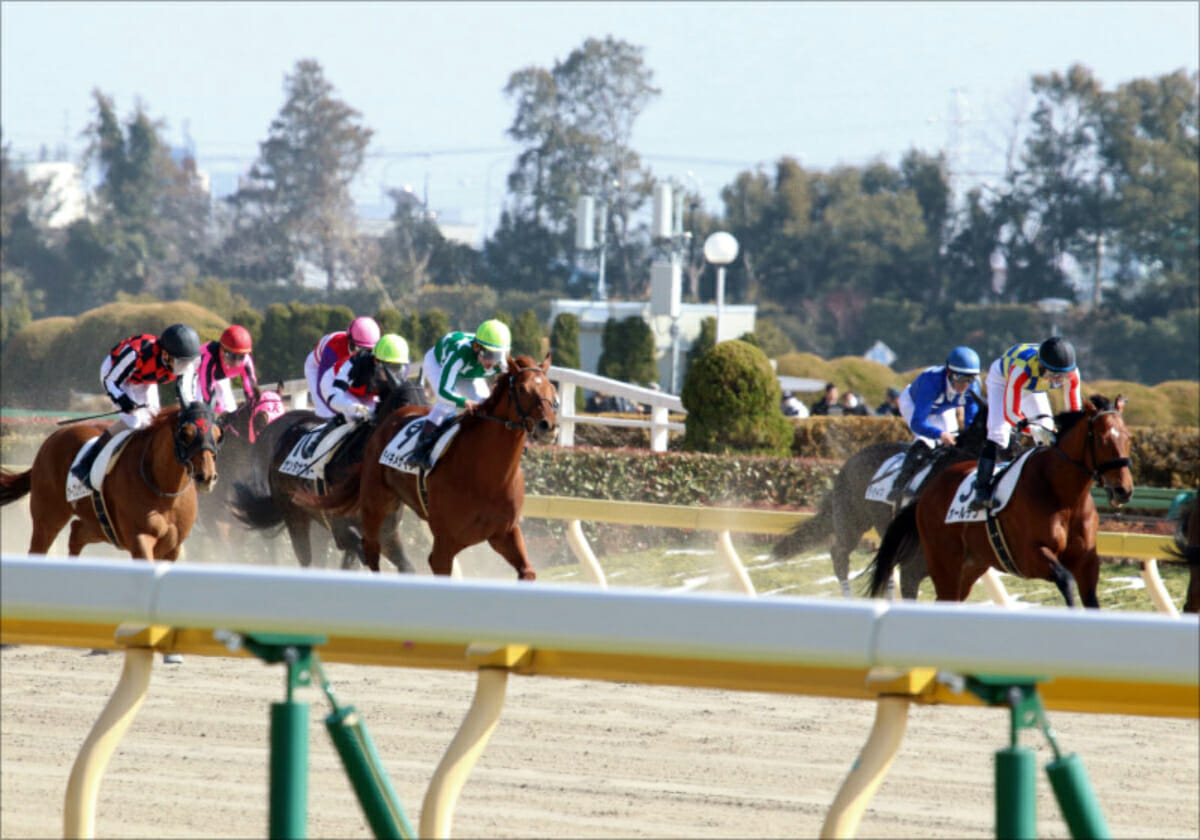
(149, 492)
(1049, 525)
(475, 490)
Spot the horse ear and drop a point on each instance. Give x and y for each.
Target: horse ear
(546, 362)
(510, 362)
(1119, 403)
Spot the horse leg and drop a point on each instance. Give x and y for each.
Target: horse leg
(912, 572)
(297, 528)
(46, 531)
(511, 546)
(441, 556)
(1087, 577)
(393, 549)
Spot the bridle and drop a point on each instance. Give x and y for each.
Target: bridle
(527, 420)
(1089, 448)
(184, 452)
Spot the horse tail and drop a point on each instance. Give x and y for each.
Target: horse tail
(254, 509)
(14, 485)
(808, 533)
(340, 499)
(899, 541)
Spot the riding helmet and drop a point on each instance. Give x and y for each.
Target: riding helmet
(180, 341)
(236, 339)
(1056, 354)
(494, 335)
(963, 360)
(392, 349)
(364, 332)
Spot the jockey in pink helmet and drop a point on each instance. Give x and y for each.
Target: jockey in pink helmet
(333, 349)
(222, 360)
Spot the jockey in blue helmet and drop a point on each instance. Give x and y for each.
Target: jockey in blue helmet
(929, 404)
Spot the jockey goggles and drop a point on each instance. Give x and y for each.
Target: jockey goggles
(490, 357)
(962, 377)
(233, 358)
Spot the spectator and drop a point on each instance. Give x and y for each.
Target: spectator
(852, 405)
(828, 404)
(890, 407)
(791, 406)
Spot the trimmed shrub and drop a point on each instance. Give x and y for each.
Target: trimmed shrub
(732, 398)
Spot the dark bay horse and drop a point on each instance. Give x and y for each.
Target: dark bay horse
(475, 490)
(1188, 549)
(263, 499)
(149, 492)
(1049, 524)
(241, 427)
(846, 514)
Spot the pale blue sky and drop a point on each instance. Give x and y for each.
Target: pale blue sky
(742, 83)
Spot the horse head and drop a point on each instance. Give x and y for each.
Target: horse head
(1100, 447)
(532, 399)
(198, 436)
(266, 408)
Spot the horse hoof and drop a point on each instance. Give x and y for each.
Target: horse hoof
(172, 658)
(529, 575)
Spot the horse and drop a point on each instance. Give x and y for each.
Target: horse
(1048, 526)
(1187, 548)
(847, 514)
(262, 501)
(148, 496)
(241, 427)
(476, 488)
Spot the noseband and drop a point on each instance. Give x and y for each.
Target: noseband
(1098, 469)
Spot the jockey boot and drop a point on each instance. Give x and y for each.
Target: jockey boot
(913, 460)
(83, 469)
(422, 453)
(983, 477)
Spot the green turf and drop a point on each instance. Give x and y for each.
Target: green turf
(699, 567)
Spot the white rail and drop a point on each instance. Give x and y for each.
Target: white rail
(568, 381)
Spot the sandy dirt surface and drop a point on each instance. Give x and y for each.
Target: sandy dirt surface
(568, 759)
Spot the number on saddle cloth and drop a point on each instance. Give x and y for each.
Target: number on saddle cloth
(313, 451)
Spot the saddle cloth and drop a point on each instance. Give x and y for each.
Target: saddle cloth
(396, 454)
(880, 486)
(313, 451)
(1005, 480)
(76, 489)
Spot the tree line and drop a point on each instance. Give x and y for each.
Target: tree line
(1099, 204)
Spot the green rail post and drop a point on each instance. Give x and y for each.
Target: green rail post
(1015, 777)
(288, 816)
(364, 767)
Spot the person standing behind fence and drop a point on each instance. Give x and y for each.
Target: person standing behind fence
(828, 404)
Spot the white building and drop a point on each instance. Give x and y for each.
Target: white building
(65, 200)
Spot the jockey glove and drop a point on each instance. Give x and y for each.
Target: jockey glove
(127, 405)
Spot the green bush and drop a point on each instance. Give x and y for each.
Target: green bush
(732, 398)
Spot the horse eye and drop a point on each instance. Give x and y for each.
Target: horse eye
(188, 433)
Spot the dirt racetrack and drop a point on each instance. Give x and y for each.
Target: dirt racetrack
(568, 759)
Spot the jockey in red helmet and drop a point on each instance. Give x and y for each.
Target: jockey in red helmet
(222, 360)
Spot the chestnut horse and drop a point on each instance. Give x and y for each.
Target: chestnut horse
(149, 492)
(1049, 524)
(475, 490)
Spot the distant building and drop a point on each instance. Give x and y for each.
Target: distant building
(65, 200)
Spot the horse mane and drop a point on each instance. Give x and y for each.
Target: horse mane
(1067, 419)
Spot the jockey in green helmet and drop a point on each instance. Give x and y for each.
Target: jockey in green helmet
(455, 369)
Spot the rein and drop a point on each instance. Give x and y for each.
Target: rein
(1098, 469)
(524, 424)
(187, 467)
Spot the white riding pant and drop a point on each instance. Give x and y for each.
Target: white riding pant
(1033, 404)
(145, 395)
(468, 389)
(323, 393)
(311, 365)
(946, 420)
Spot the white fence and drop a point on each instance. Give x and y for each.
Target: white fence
(568, 381)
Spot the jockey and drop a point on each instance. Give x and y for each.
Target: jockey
(131, 375)
(1017, 386)
(222, 360)
(928, 404)
(454, 369)
(354, 391)
(331, 351)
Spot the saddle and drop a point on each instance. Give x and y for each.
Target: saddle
(318, 447)
(105, 459)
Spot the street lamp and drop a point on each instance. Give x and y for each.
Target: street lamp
(720, 249)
